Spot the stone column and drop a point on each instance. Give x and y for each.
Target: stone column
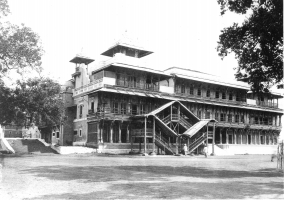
(220, 136)
(277, 120)
(241, 137)
(247, 138)
(154, 132)
(111, 133)
(264, 138)
(213, 140)
(145, 138)
(227, 139)
(255, 138)
(99, 132)
(259, 141)
(127, 134)
(235, 137)
(119, 132)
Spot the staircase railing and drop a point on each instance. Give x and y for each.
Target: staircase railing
(185, 123)
(197, 143)
(165, 143)
(167, 119)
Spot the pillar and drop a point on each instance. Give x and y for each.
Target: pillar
(154, 135)
(127, 134)
(176, 145)
(111, 133)
(259, 142)
(277, 120)
(213, 140)
(145, 134)
(241, 137)
(227, 137)
(254, 137)
(99, 132)
(220, 136)
(264, 138)
(247, 135)
(235, 137)
(131, 139)
(207, 139)
(119, 132)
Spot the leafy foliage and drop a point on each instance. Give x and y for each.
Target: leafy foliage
(20, 48)
(35, 100)
(257, 43)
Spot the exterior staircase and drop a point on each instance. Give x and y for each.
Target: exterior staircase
(26, 146)
(197, 143)
(163, 144)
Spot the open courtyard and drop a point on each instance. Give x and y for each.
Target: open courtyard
(136, 177)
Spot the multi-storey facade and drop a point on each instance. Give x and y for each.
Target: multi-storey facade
(121, 104)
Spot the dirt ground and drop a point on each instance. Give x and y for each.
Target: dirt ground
(137, 177)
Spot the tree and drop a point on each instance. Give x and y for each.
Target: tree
(257, 43)
(35, 100)
(20, 48)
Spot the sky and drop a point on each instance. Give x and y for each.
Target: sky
(181, 33)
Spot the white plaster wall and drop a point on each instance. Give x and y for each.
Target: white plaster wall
(250, 149)
(109, 81)
(166, 89)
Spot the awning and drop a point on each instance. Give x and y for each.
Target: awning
(196, 127)
(150, 95)
(140, 94)
(122, 92)
(132, 93)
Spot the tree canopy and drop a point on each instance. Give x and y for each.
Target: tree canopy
(35, 100)
(20, 47)
(257, 43)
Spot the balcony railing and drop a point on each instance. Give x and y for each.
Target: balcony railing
(116, 111)
(138, 85)
(266, 104)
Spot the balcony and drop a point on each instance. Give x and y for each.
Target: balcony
(267, 104)
(107, 111)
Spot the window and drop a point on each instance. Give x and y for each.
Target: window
(223, 95)
(256, 120)
(217, 95)
(182, 89)
(75, 132)
(230, 96)
(57, 134)
(80, 111)
(115, 107)
(80, 133)
(222, 117)
(230, 118)
(191, 91)
(237, 118)
(198, 92)
(134, 109)
(53, 134)
(242, 118)
(142, 109)
(217, 116)
(92, 106)
(123, 108)
(199, 114)
(208, 93)
(207, 115)
(238, 97)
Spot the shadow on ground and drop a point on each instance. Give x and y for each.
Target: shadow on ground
(144, 182)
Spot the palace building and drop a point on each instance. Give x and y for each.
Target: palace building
(122, 106)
